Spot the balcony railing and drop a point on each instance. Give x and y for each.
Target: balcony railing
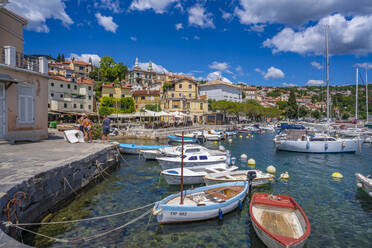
(27, 62)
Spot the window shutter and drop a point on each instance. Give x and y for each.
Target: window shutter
(26, 105)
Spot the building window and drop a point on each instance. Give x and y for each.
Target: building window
(111, 95)
(201, 106)
(74, 105)
(180, 86)
(142, 98)
(75, 87)
(90, 97)
(89, 87)
(172, 95)
(190, 95)
(122, 95)
(180, 94)
(61, 95)
(89, 107)
(52, 84)
(150, 76)
(61, 85)
(152, 98)
(190, 86)
(51, 94)
(68, 86)
(81, 68)
(81, 106)
(26, 105)
(65, 105)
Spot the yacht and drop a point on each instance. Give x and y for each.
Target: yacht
(192, 160)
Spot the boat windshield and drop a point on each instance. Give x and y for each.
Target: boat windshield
(192, 150)
(203, 157)
(323, 139)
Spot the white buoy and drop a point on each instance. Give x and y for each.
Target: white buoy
(241, 136)
(271, 169)
(221, 148)
(243, 156)
(251, 161)
(284, 175)
(230, 140)
(359, 185)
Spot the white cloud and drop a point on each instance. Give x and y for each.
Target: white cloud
(85, 57)
(106, 22)
(226, 15)
(185, 38)
(239, 68)
(298, 12)
(38, 11)
(365, 65)
(112, 5)
(179, 26)
(196, 37)
(133, 38)
(221, 66)
(155, 67)
(315, 83)
(288, 85)
(217, 75)
(259, 28)
(272, 72)
(159, 6)
(199, 17)
(317, 65)
(346, 36)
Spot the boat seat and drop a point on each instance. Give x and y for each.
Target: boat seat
(224, 193)
(276, 202)
(278, 224)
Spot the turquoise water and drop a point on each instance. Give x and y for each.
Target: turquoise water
(339, 213)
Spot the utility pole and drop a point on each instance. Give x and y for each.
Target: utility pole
(367, 93)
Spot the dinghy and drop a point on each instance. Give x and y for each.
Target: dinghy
(74, 136)
(190, 161)
(194, 175)
(364, 182)
(201, 203)
(136, 149)
(236, 176)
(279, 221)
(185, 139)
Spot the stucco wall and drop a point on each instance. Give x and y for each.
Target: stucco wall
(11, 33)
(39, 129)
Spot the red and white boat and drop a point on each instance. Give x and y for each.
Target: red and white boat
(278, 220)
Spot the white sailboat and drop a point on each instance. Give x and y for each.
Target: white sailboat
(319, 143)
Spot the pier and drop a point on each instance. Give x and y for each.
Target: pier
(44, 174)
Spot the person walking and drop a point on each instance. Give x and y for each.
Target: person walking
(87, 129)
(105, 128)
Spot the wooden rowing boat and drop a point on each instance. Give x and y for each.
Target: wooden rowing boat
(238, 175)
(279, 221)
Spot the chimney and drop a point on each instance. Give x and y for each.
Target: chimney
(43, 65)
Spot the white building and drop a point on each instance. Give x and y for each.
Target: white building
(220, 90)
(70, 95)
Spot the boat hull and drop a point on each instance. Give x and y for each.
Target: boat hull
(365, 184)
(166, 165)
(176, 180)
(255, 182)
(317, 147)
(136, 149)
(175, 214)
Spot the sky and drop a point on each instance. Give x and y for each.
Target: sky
(265, 42)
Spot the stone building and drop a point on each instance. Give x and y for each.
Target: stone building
(23, 84)
(146, 97)
(116, 91)
(220, 90)
(147, 79)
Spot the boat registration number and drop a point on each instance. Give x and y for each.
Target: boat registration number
(179, 213)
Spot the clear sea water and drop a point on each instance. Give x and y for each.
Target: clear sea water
(340, 214)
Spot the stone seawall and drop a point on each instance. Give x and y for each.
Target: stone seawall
(50, 186)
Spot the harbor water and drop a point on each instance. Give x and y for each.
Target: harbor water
(340, 214)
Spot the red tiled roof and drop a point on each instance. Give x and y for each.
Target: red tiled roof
(62, 78)
(146, 92)
(78, 62)
(84, 81)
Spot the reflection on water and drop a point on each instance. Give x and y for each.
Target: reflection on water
(339, 213)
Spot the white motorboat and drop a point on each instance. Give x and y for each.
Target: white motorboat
(210, 135)
(364, 182)
(317, 144)
(238, 175)
(190, 161)
(194, 175)
(175, 151)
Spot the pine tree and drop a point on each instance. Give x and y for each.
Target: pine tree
(58, 58)
(90, 60)
(63, 58)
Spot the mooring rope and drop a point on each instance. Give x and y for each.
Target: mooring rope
(89, 238)
(66, 181)
(121, 156)
(79, 220)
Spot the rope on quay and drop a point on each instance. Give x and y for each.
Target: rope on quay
(121, 156)
(85, 239)
(78, 220)
(66, 181)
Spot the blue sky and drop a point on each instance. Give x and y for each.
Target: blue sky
(266, 42)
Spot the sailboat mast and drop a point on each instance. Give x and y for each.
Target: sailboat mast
(327, 71)
(356, 96)
(367, 93)
(181, 202)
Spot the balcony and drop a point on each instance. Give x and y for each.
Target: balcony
(9, 56)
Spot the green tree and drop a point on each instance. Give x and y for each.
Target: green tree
(292, 108)
(315, 114)
(58, 58)
(282, 104)
(303, 111)
(153, 107)
(63, 57)
(243, 94)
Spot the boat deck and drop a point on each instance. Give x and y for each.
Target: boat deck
(278, 221)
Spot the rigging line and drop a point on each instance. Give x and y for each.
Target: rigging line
(81, 220)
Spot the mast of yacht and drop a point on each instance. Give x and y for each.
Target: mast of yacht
(367, 93)
(327, 73)
(356, 97)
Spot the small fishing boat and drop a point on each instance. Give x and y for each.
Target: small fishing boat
(230, 133)
(201, 203)
(364, 182)
(279, 221)
(136, 149)
(194, 175)
(193, 139)
(175, 151)
(190, 161)
(236, 176)
(74, 136)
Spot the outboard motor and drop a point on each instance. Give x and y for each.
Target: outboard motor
(250, 176)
